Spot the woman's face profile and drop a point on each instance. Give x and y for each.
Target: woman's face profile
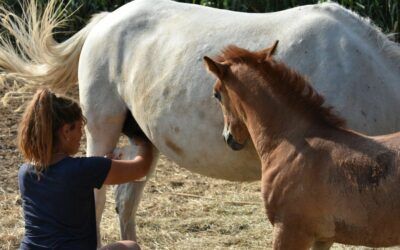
(70, 137)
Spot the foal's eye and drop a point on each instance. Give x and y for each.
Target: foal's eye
(217, 95)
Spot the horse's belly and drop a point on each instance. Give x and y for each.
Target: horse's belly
(197, 146)
(186, 125)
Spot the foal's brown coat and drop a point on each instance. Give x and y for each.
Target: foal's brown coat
(321, 183)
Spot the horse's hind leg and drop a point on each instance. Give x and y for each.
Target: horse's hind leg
(128, 196)
(102, 136)
(105, 116)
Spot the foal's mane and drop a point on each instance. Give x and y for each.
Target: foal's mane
(285, 82)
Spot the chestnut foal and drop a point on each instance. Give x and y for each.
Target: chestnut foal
(321, 183)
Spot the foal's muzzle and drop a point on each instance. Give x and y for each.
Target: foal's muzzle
(232, 143)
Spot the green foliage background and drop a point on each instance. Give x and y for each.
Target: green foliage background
(384, 13)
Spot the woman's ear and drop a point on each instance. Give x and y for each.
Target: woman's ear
(65, 131)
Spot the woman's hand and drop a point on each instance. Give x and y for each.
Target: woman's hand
(123, 171)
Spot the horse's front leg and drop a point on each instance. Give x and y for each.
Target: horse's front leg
(291, 237)
(127, 199)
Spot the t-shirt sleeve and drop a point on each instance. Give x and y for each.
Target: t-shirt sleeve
(92, 171)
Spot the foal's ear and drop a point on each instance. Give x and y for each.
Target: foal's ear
(270, 51)
(218, 69)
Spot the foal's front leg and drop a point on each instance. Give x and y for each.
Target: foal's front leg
(291, 237)
(320, 245)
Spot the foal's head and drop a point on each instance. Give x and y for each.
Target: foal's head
(254, 82)
(230, 82)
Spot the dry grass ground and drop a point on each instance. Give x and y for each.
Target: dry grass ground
(179, 210)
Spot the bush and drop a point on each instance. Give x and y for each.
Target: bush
(384, 13)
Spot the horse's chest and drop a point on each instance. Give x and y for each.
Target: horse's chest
(281, 190)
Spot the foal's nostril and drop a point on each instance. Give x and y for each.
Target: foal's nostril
(227, 137)
(229, 140)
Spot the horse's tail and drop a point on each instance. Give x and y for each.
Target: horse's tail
(30, 55)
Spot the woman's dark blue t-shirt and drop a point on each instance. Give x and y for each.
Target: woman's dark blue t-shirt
(59, 206)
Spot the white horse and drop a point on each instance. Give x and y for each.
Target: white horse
(145, 60)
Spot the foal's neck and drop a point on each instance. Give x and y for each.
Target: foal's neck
(270, 125)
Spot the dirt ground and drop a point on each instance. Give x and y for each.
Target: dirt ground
(179, 209)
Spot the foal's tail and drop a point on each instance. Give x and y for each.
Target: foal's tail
(30, 55)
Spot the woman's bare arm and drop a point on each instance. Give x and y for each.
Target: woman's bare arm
(123, 171)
